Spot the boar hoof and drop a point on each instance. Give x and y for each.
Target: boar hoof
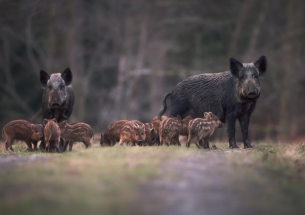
(234, 147)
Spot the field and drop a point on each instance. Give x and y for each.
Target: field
(268, 179)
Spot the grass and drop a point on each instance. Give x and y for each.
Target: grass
(106, 180)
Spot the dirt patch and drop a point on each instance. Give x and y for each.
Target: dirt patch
(8, 161)
(210, 183)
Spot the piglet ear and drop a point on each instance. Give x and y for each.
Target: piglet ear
(54, 120)
(179, 118)
(261, 65)
(64, 123)
(152, 130)
(67, 76)
(44, 77)
(206, 114)
(32, 127)
(45, 122)
(235, 67)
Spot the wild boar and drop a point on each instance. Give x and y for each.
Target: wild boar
(202, 129)
(132, 134)
(229, 95)
(51, 134)
(185, 126)
(170, 129)
(58, 97)
(151, 134)
(156, 122)
(77, 132)
(112, 134)
(24, 131)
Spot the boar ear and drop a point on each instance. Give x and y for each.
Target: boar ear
(64, 123)
(32, 127)
(206, 114)
(179, 117)
(45, 122)
(44, 77)
(67, 76)
(235, 67)
(261, 65)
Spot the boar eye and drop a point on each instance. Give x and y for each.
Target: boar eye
(50, 87)
(243, 77)
(61, 87)
(255, 76)
(152, 139)
(142, 134)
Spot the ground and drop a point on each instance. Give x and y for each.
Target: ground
(268, 179)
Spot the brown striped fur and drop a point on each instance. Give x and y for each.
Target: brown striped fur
(51, 133)
(185, 125)
(112, 134)
(170, 129)
(156, 122)
(202, 129)
(151, 134)
(132, 134)
(24, 131)
(77, 132)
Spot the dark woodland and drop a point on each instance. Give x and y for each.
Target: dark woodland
(126, 55)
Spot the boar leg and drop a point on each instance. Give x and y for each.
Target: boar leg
(56, 143)
(66, 145)
(70, 145)
(8, 144)
(231, 119)
(35, 145)
(42, 144)
(206, 142)
(196, 140)
(188, 143)
(87, 142)
(177, 141)
(244, 125)
(29, 144)
(61, 144)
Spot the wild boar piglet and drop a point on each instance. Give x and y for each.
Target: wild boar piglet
(112, 134)
(132, 134)
(77, 132)
(24, 131)
(170, 129)
(51, 134)
(202, 129)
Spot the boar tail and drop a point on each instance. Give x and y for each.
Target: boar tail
(164, 105)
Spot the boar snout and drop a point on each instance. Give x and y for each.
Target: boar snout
(252, 92)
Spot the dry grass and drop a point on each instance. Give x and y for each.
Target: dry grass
(106, 180)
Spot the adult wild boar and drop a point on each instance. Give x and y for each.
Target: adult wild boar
(229, 95)
(58, 97)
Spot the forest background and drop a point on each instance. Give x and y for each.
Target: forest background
(126, 54)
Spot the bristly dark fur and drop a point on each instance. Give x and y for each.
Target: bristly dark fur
(58, 97)
(229, 95)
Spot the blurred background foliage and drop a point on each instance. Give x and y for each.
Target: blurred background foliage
(125, 55)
